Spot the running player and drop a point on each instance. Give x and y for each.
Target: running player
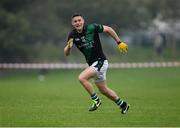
(86, 39)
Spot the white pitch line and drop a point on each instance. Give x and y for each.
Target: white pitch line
(83, 65)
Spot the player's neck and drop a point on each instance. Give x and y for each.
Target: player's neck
(80, 30)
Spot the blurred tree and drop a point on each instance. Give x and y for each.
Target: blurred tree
(13, 32)
(29, 27)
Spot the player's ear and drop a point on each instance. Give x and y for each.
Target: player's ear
(83, 20)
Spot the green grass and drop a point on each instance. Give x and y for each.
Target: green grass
(59, 100)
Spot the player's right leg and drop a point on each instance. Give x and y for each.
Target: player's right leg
(84, 80)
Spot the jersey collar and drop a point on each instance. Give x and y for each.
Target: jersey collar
(83, 31)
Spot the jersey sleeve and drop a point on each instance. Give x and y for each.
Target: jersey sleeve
(70, 35)
(98, 28)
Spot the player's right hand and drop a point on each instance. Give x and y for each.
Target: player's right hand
(70, 43)
(123, 47)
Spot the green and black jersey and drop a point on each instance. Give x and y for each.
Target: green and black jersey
(88, 42)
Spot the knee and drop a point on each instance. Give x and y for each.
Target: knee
(81, 79)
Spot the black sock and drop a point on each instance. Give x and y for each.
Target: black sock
(94, 97)
(120, 103)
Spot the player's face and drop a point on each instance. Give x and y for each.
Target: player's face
(78, 23)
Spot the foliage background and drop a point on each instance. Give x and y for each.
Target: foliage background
(36, 30)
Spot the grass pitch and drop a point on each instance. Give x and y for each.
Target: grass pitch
(60, 100)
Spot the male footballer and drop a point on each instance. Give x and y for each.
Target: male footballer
(86, 39)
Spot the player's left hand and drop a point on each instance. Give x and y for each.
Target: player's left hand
(123, 47)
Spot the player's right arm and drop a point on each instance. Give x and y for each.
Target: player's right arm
(69, 44)
(68, 47)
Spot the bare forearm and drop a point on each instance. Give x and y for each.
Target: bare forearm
(67, 51)
(112, 33)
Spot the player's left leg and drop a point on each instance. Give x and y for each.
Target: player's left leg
(104, 89)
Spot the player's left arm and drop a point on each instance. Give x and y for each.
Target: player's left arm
(121, 45)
